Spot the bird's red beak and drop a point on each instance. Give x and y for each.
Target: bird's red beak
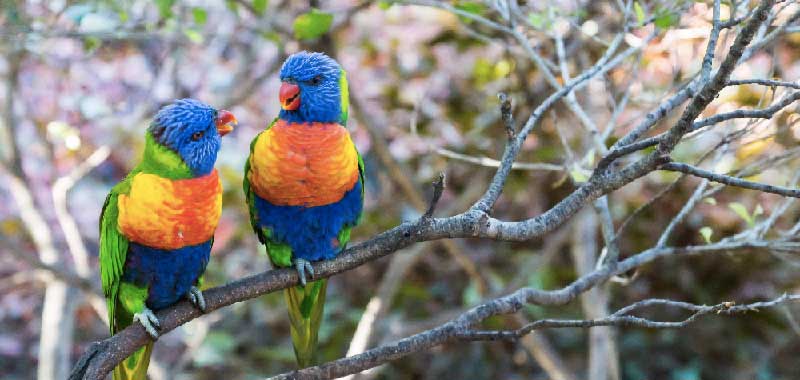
(225, 122)
(289, 96)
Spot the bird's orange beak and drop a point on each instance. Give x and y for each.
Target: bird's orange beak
(225, 122)
(289, 96)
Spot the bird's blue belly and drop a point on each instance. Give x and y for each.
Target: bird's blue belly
(311, 232)
(167, 274)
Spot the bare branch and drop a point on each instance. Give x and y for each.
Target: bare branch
(492, 163)
(708, 59)
(687, 207)
(59, 191)
(438, 188)
(711, 88)
(460, 328)
(399, 174)
(764, 113)
(764, 82)
(728, 180)
(622, 320)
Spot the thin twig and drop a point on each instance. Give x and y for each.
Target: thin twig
(730, 181)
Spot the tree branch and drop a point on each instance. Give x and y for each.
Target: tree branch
(459, 328)
(728, 180)
(622, 320)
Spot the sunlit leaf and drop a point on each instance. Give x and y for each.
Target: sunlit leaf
(473, 7)
(710, 201)
(471, 296)
(706, 233)
(741, 210)
(384, 5)
(502, 68)
(200, 15)
(91, 43)
(537, 20)
(311, 25)
(758, 211)
(260, 6)
(271, 36)
(193, 35)
(639, 13)
(578, 175)
(165, 7)
(666, 19)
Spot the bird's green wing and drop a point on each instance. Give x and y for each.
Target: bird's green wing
(344, 94)
(249, 195)
(362, 176)
(344, 234)
(280, 254)
(113, 249)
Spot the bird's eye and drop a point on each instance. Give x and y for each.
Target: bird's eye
(315, 80)
(197, 136)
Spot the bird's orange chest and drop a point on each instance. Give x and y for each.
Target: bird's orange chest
(170, 214)
(309, 164)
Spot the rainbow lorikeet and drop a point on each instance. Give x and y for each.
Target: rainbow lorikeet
(304, 185)
(157, 224)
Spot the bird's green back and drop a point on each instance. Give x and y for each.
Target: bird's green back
(156, 159)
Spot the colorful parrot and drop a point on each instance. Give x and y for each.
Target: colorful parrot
(157, 224)
(304, 185)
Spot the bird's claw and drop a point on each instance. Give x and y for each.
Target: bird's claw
(149, 321)
(303, 266)
(196, 298)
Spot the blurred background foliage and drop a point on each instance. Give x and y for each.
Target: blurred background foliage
(81, 75)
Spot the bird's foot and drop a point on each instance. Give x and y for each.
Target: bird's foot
(195, 296)
(303, 266)
(149, 321)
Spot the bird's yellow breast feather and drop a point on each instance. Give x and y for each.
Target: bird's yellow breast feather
(170, 214)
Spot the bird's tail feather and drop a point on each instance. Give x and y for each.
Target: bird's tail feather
(134, 367)
(306, 304)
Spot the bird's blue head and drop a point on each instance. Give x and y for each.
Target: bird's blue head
(192, 129)
(313, 89)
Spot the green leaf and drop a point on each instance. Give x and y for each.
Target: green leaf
(193, 35)
(312, 25)
(577, 175)
(740, 210)
(537, 20)
(665, 19)
(471, 296)
(710, 201)
(200, 15)
(165, 7)
(706, 233)
(639, 13)
(473, 7)
(260, 6)
(91, 43)
(384, 5)
(271, 36)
